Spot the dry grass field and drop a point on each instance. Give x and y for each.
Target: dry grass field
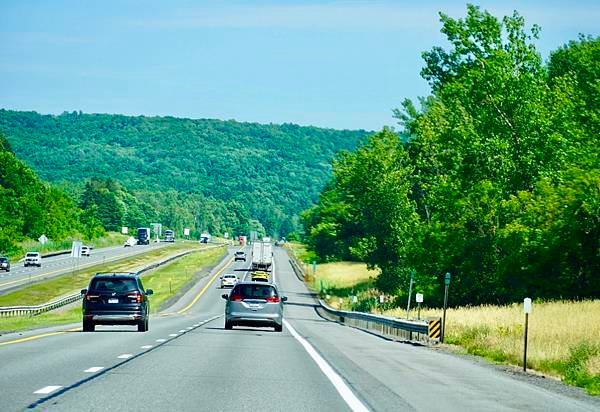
(343, 275)
(564, 337)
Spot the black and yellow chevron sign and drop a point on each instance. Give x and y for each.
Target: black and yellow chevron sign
(435, 328)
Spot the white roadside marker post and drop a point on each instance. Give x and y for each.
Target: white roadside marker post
(419, 298)
(527, 306)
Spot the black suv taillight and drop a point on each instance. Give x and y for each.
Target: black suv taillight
(136, 297)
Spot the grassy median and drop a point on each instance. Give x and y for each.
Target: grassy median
(564, 336)
(166, 282)
(169, 280)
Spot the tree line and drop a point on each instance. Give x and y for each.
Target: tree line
(494, 177)
(214, 175)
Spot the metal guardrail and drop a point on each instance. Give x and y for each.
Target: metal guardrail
(14, 311)
(393, 328)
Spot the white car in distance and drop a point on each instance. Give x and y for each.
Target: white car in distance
(228, 280)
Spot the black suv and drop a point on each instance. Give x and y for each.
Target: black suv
(4, 263)
(115, 299)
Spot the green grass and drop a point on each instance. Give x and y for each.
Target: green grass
(165, 281)
(169, 279)
(55, 318)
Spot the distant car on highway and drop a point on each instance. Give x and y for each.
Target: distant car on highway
(169, 236)
(254, 304)
(115, 299)
(228, 280)
(86, 251)
(4, 263)
(240, 255)
(33, 259)
(130, 242)
(259, 276)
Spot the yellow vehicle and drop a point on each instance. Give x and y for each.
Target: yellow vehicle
(260, 277)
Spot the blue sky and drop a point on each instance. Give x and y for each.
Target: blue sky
(340, 64)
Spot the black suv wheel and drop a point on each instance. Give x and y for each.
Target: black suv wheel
(143, 326)
(88, 326)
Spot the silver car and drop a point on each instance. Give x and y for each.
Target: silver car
(254, 304)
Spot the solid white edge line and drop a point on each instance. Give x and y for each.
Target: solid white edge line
(47, 389)
(345, 392)
(94, 369)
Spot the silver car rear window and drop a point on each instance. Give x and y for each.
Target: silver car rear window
(254, 291)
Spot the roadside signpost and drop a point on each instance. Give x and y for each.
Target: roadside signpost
(124, 230)
(419, 298)
(75, 253)
(527, 307)
(76, 249)
(186, 232)
(446, 285)
(412, 276)
(42, 239)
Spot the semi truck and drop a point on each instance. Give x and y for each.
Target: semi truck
(205, 238)
(262, 256)
(143, 236)
(169, 236)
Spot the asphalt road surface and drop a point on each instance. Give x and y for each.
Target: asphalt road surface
(20, 276)
(187, 361)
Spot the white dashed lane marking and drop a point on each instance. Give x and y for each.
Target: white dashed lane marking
(182, 330)
(125, 356)
(173, 334)
(47, 389)
(94, 369)
(146, 346)
(161, 340)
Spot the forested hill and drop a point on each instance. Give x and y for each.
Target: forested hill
(269, 172)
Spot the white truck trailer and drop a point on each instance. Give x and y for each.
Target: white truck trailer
(262, 256)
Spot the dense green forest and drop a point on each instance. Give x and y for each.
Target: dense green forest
(220, 176)
(498, 184)
(29, 207)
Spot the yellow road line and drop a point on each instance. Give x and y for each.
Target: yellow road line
(204, 289)
(35, 337)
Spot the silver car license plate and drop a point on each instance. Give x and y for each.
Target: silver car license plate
(113, 300)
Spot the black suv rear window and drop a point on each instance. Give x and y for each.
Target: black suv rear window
(3, 259)
(113, 284)
(254, 291)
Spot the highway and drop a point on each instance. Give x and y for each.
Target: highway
(61, 264)
(187, 361)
